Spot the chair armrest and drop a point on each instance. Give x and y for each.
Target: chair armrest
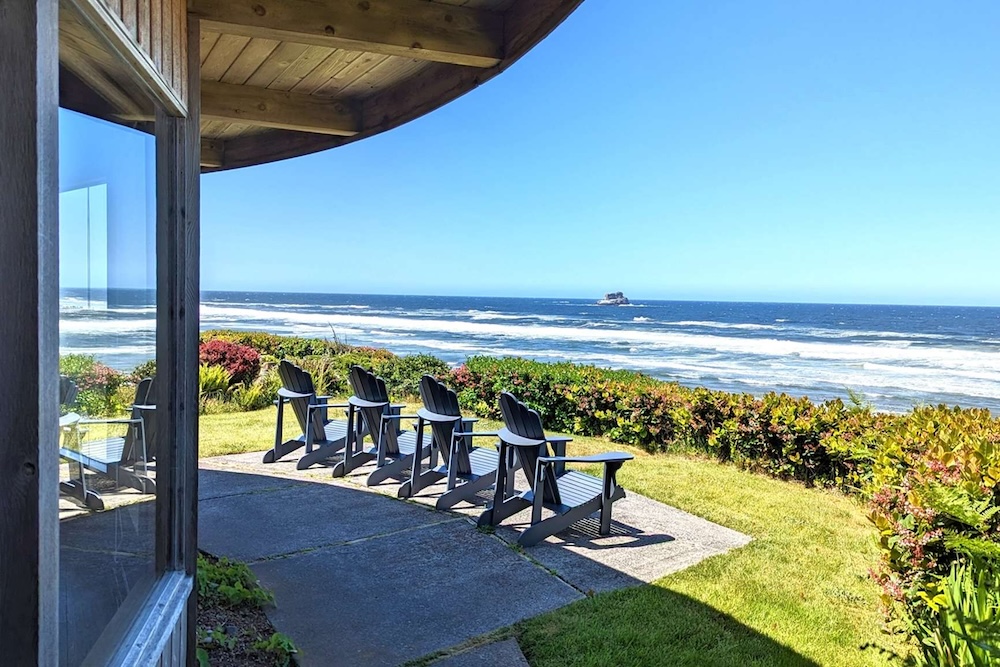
(558, 438)
(289, 394)
(110, 421)
(470, 420)
(323, 397)
(323, 406)
(144, 407)
(397, 406)
(606, 457)
(462, 434)
(385, 417)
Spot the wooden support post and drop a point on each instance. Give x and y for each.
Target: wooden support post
(29, 332)
(178, 153)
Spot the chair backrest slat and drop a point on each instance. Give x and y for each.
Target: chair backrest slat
(441, 400)
(369, 387)
(132, 450)
(295, 379)
(525, 422)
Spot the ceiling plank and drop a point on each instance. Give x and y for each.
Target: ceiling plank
(212, 153)
(277, 108)
(411, 28)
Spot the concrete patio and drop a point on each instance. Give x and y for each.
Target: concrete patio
(362, 578)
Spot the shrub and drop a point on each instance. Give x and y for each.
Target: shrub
(147, 369)
(213, 381)
(98, 385)
(277, 346)
(963, 627)
(258, 395)
(935, 500)
(229, 583)
(402, 374)
(242, 362)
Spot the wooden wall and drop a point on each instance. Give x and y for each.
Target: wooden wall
(158, 29)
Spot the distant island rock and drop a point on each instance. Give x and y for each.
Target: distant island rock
(614, 299)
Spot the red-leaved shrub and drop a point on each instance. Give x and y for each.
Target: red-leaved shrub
(242, 361)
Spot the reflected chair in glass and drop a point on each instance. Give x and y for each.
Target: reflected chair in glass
(125, 459)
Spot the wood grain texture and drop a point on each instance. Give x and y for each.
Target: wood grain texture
(29, 325)
(249, 59)
(178, 297)
(226, 50)
(387, 100)
(412, 28)
(276, 108)
(137, 53)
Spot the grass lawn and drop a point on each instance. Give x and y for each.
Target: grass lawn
(799, 594)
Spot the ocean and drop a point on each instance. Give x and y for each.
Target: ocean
(894, 356)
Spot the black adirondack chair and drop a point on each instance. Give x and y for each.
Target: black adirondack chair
(322, 437)
(572, 495)
(452, 438)
(123, 459)
(370, 412)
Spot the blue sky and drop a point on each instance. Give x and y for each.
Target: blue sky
(773, 151)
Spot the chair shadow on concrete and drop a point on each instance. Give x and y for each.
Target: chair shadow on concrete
(586, 534)
(649, 625)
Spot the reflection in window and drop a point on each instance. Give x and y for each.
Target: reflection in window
(107, 343)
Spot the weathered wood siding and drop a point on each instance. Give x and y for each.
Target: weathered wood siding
(157, 28)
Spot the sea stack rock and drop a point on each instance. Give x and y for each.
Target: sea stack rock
(614, 299)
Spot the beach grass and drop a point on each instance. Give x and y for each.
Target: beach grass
(798, 594)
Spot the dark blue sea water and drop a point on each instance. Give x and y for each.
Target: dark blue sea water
(896, 356)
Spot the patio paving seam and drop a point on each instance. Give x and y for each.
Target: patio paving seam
(344, 543)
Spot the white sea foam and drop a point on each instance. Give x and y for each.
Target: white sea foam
(722, 325)
(640, 319)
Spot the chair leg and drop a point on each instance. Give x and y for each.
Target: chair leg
(558, 523)
(320, 453)
(464, 491)
(394, 469)
(280, 450)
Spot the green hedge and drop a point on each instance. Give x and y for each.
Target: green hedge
(327, 361)
(930, 477)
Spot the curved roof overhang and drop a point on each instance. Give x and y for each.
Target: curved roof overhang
(282, 78)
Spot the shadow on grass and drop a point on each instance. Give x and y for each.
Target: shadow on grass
(647, 625)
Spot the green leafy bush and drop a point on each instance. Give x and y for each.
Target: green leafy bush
(277, 346)
(146, 369)
(213, 381)
(229, 583)
(259, 394)
(963, 626)
(935, 500)
(98, 385)
(402, 374)
(279, 646)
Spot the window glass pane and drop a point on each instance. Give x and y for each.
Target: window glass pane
(107, 344)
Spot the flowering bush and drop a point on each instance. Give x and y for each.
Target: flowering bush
(242, 362)
(98, 385)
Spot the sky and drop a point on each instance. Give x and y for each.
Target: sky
(765, 151)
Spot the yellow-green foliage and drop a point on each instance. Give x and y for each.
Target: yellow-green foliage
(935, 500)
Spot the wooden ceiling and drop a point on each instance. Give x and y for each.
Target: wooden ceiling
(282, 78)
